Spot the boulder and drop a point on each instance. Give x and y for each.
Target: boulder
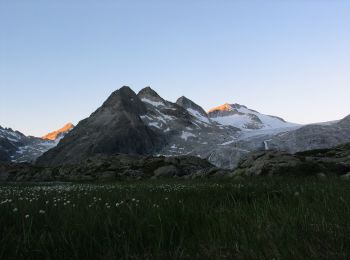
(345, 177)
(166, 171)
(107, 176)
(321, 176)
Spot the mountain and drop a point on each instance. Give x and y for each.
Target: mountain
(291, 140)
(58, 134)
(115, 127)
(193, 109)
(246, 119)
(309, 137)
(147, 124)
(142, 123)
(184, 125)
(17, 147)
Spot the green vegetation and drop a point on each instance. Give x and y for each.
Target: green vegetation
(265, 218)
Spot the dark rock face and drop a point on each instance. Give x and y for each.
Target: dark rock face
(116, 127)
(321, 162)
(6, 150)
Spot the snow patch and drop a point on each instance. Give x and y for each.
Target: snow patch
(186, 135)
(153, 103)
(229, 142)
(13, 139)
(237, 120)
(155, 124)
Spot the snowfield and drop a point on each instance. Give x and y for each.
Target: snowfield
(247, 119)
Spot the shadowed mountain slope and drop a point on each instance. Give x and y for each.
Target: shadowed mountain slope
(115, 127)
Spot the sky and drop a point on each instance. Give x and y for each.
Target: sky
(59, 60)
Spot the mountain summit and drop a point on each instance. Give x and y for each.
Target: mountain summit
(193, 108)
(149, 93)
(55, 135)
(244, 118)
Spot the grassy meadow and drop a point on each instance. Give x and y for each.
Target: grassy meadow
(260, 218)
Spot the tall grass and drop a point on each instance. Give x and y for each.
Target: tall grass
(261, 218)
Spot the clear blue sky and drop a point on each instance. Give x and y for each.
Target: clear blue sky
(59, 60)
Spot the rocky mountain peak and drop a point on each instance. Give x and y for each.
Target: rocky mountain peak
(149, 93)
(224, 107)
(223, 110)
(191, 106)
(245, 118)
(123, 99)
(123, 92)
(58, 133)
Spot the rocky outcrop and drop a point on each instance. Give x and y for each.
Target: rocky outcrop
(111, 168)
(321, 162)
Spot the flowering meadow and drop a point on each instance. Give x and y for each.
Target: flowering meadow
(212, 219)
